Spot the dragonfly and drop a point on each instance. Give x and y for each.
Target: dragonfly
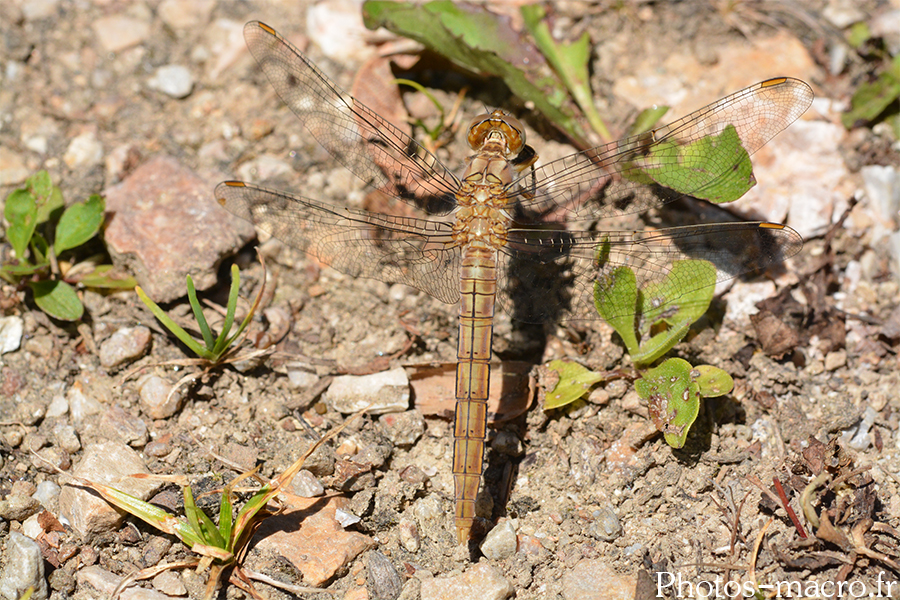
(506, 231)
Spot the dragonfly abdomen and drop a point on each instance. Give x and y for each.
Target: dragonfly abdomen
(478, 289)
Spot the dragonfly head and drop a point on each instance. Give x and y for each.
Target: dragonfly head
(498, 127)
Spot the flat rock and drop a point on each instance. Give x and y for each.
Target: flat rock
(593, 579)
(481, 582)
(110, 463)
(165, 224)
(308, 535)
(384, 392)
(23, 568)
(105, 582)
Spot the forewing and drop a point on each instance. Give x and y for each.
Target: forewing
(415, 252)
(608, 181)
(359, 139)
(548, 276)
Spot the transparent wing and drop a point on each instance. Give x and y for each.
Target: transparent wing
(415, 252)
(365, 143)
(549, 276)
(612, 180)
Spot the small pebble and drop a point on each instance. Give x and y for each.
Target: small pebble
(175, 81)
(380, 393)
(156, 402)
(382, 577)
(481, 582)
(169, 583)
(124, 346)
(606, 525)
(11, 329)
(306, 485)
(508, 443)
(18, 507)
(835, 360)
(500, 542)
(67, 438)
(409, 535)
(84, 151)
(403, 429)
(23, 568)
(117, 423)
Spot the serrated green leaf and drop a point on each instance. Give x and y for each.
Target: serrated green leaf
(871, 99)
(673, 399)
(474, 38)
(21, 214)
(616, 300)
(712, 381)
(79, 223)
(574, 382)
(58, 299)
(716, 168)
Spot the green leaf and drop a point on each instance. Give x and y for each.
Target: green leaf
(716, 168)
(222, 342)
(22, 270)
(574, 382)
(199, 317)
(713, 381)
(871, 99)
(683, 295)
(40, 184)
(173, 327)
(79, 223)
(480, 41)
(858, 34)
(673, 399)
(616, 300)
(655, 347)
(570, 61)
(21, 214)
(647, 119)
(58, 299)
(106, 277)
(200, 523)
(48, 197)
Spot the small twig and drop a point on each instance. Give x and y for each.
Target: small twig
(294, 589)
(787, 507)
(838, 480)
(754, 554)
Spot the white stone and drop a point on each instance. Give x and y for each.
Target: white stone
(382, 393)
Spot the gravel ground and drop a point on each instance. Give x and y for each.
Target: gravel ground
(154, 103)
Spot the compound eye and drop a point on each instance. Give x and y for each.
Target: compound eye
(515, 133)
(478, 129)
(500, 122)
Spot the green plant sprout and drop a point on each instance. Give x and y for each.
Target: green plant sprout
(33, 213)
(221, 546)
(873, 99)
(211, 352)
(434, 133)
(650, 321)
(554, 78)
